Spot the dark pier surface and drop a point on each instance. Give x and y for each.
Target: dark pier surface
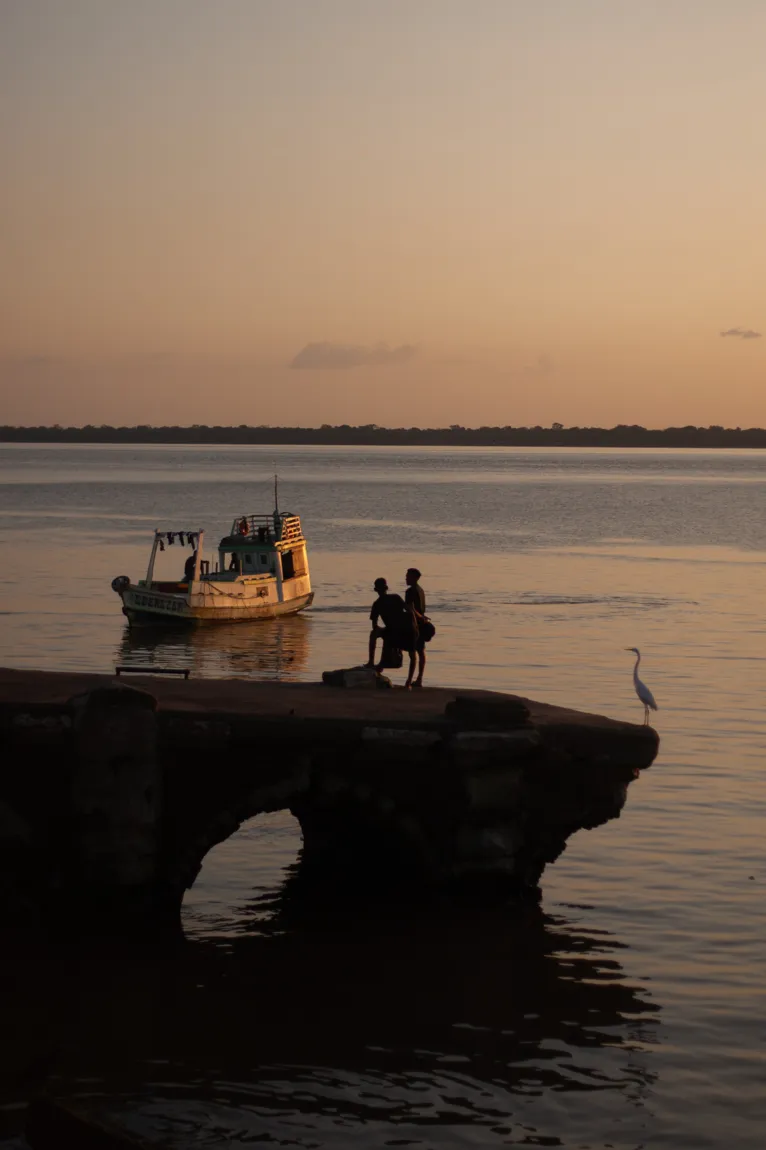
(112, 790)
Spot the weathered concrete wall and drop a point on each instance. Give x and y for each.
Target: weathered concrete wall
(81, 819)
(109, 804)
(116, 793)
(487, 806)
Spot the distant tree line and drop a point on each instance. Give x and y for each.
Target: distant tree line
(624, 435)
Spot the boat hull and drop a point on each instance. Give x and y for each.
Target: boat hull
(152, 608)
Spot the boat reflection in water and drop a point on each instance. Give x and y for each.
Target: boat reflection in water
(263, 649)
(381, 1027)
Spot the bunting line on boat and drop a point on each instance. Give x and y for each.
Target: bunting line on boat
(183, 537)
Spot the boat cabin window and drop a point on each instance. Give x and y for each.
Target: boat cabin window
(288, 565)
(248, 563)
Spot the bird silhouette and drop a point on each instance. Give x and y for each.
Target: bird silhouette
(643, 692)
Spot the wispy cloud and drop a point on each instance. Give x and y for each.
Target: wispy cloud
(324, 356)
(742, 333)
(29, 361)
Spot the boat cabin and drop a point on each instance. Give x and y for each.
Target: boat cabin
(258, 545)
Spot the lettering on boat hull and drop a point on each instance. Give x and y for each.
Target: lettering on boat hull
(162, 603)
(142, 608)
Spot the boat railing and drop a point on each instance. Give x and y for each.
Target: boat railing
(268, 528)
(291, 528)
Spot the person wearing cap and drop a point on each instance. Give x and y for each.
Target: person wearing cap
(391, 611)
(415, 602)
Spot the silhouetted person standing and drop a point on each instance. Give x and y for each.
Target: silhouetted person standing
(415, 600)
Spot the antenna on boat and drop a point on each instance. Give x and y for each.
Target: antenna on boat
(276, 494)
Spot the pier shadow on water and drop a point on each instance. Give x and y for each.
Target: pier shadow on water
(345, 1025)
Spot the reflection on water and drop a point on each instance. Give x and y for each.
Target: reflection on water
(536, 584)
(261, 649)
(339, 1026)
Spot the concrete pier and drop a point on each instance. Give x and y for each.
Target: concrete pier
(113, 792)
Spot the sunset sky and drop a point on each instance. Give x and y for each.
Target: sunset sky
(391, 211)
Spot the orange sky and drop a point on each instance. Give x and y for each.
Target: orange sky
(402, 212)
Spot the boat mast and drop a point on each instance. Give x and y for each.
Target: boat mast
(198, 559)
(150, 568)
(276, 494)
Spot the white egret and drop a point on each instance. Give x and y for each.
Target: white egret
(643, 692)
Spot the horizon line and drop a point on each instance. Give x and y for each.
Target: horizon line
(375, 428)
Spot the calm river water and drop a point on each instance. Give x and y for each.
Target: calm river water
(631, 1012)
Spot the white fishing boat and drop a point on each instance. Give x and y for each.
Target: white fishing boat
(261, 571)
